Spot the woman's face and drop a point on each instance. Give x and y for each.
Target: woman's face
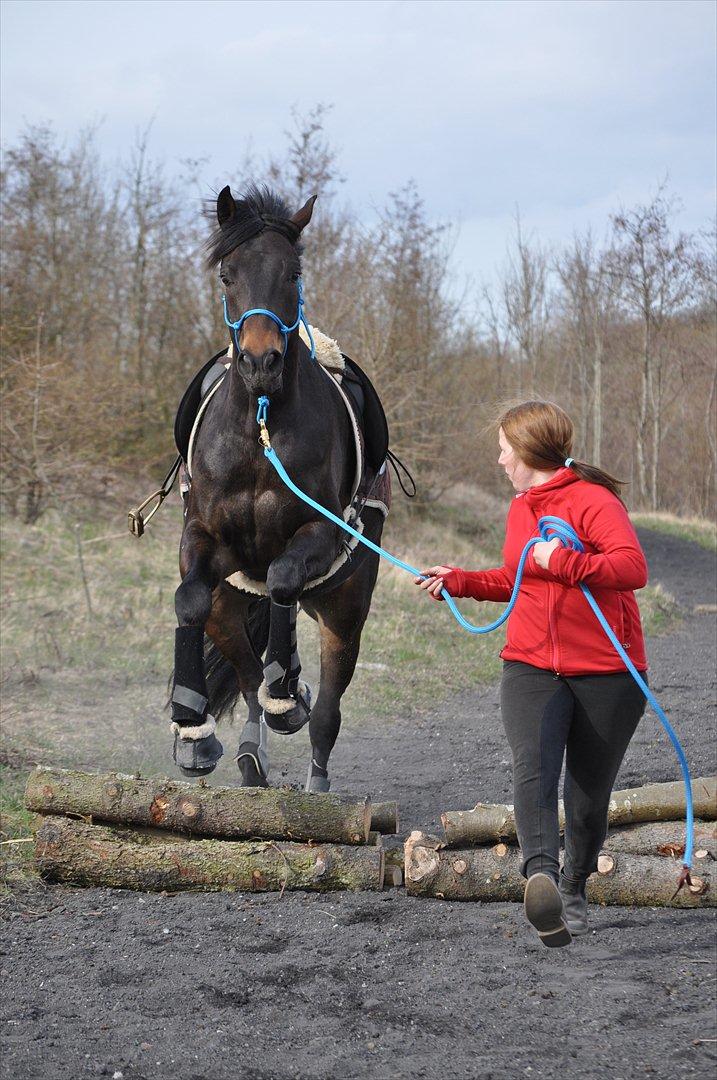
(520, 476)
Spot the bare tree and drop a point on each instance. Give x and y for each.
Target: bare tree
(588, 303)
(656, 270)
(526, 303)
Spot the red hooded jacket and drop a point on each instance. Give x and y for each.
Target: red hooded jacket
(551, 625)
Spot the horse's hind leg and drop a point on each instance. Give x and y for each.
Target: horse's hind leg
(341, 615)
(241, 638)
(253, 753)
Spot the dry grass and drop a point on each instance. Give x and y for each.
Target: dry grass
(698, 530)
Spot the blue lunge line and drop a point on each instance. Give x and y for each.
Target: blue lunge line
(550, 528)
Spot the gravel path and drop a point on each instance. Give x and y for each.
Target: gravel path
(102, 983)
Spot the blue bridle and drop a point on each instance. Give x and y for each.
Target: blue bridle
(235, 327)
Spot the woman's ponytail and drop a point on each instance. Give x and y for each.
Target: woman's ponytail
(593, 475)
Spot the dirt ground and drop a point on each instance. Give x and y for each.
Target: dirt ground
(337, 987)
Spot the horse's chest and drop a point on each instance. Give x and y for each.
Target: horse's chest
(254, 526)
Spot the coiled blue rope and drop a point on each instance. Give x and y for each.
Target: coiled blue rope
(550, 528)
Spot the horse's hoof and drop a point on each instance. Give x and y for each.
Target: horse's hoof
(319, 784)
(250, 765)
(197, 757)
(291, 720)
(317, 781)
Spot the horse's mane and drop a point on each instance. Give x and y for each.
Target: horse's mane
(259, 208)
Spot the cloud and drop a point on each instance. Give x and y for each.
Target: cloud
(556, 106)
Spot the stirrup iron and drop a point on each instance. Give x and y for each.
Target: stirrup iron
(139, 521)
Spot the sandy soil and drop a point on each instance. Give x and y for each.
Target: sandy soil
(336, 987)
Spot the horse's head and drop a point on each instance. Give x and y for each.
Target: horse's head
(256, 248)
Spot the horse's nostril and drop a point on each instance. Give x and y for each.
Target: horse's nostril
(271, 359)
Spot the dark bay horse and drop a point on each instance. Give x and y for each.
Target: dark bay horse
(240, 517)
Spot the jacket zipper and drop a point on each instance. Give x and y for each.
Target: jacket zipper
(551, 628)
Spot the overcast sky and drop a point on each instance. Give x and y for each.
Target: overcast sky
(566, 109)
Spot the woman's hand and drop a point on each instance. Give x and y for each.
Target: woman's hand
(543, 551)
(432, 582)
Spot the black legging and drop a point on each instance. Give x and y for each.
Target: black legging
(590, 720)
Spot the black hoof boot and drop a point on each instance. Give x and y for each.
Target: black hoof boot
(318, 779)
(575, 905)
(544, 911)
(295, 712)
(251, 774)
(252, 758)
(197, 757)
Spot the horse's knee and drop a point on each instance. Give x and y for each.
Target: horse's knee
(193, 603)
(285, 580)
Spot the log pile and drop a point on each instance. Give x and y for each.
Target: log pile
(477, 858)
(156, 834)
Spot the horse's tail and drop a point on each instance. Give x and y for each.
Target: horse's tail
(220, 674)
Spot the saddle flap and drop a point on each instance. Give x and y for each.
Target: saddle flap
(189, 405)
(373, 420)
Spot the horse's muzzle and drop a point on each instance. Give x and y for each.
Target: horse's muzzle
(261, 374)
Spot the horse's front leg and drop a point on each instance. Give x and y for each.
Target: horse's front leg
(196, 747)
(284, 698)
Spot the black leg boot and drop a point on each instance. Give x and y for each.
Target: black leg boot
(575, 905)
(196, 748)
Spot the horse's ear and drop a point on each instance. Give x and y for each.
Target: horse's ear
(225, 205)
(302, 217)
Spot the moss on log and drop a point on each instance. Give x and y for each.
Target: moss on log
(493, 874)
(200, 810)
(73, 851)
(489, 822)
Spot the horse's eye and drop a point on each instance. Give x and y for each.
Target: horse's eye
(295, 275)
(225, 279)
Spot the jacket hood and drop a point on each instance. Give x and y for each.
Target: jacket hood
(562, 479)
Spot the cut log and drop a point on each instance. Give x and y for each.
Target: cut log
(73, 851)
(393, 877)
(666, 838)
(493, 874)
(384, 817)
(394, 855)
(233, 813)
(484, 824)
(471, 874)
(489, 822)
(663, 802)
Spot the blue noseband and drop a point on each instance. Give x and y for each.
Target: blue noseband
(235, 327)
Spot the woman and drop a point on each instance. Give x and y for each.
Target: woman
(565, 691)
